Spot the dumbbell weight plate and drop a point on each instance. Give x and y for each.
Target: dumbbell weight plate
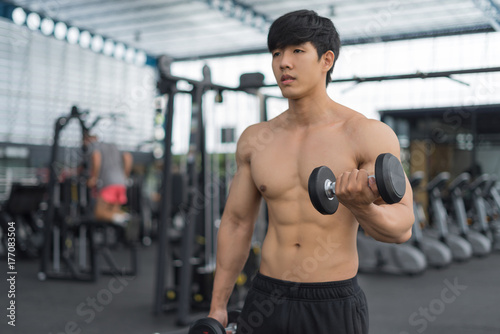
(232, 316)
(207, 325)
(212, 326)
(390, 178)
(317, 194)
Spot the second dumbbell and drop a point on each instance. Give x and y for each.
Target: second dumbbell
(212, 326)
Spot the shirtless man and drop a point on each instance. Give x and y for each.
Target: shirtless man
(307, 277)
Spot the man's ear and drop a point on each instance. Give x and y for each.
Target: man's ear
(328, 59)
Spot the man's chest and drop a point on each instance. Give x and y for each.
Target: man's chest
(282, 167)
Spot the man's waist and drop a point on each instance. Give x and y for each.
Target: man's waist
(306, 290)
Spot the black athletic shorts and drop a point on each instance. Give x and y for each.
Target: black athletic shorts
(282, 307)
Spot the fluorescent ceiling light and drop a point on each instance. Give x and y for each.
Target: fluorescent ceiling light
(97, 43)
(33, 21)
(73, 35)
(47, 26)
(85, 39)
(109, 47)
(119, 51)
(19, 16)
(130, 55)
(60, 30)
(140, 58)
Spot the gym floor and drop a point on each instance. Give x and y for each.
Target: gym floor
(463, 298)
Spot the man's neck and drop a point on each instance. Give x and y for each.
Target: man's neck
(309, 110)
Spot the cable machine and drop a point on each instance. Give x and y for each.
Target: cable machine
(55, 228)
(69, 250)
(195, 257)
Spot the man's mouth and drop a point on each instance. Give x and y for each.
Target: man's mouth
(286, 79)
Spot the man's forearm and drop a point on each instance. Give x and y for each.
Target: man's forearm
(386, 223)
(233, 247)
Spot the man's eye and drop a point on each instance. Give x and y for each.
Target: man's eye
(297, 50)
(276, 54)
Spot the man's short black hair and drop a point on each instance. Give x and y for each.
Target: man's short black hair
(304, 26)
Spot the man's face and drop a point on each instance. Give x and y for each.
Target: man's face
(298, 70)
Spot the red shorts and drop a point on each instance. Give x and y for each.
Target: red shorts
(114, 194)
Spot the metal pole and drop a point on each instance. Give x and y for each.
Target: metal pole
(195, 210)
(474, 169)
(51, 187)
(166, 202)
(209, 198)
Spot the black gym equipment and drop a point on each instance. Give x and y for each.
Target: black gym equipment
(212, 326)
(182, 293)
(24, 207)
(491, 193)
(57, 230)
(486, 208)
(194, 215)
(380, 257)
(460, 248)
(389, 176)
(438, 255)
(481, 245)
(70, 249)
(140, 206)
(195, 264)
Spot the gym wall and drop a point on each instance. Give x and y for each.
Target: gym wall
(42, 77)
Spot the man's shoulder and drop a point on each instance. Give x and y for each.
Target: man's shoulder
(361, 125)
(255, 132)
(254, 139)
(371, 137)
(367, 133)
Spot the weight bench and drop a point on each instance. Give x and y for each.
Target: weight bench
(101, 243)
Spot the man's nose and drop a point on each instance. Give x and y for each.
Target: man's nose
(286, 60)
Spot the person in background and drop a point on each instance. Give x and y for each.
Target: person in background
(108, 171)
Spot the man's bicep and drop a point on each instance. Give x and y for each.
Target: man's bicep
(384, 140)
(378, 139)
(244, 198)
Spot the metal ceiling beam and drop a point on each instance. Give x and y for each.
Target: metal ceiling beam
(420, 75)
(363, 40)
(491, 10)
(417, 75)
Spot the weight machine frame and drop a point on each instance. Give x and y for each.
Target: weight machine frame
(51, 235)
(195, 216)
(87, 225)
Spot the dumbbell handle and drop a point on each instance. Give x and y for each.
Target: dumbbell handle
(330, 187)
(231, 327)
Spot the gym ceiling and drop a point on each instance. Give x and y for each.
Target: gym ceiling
(195, 29)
